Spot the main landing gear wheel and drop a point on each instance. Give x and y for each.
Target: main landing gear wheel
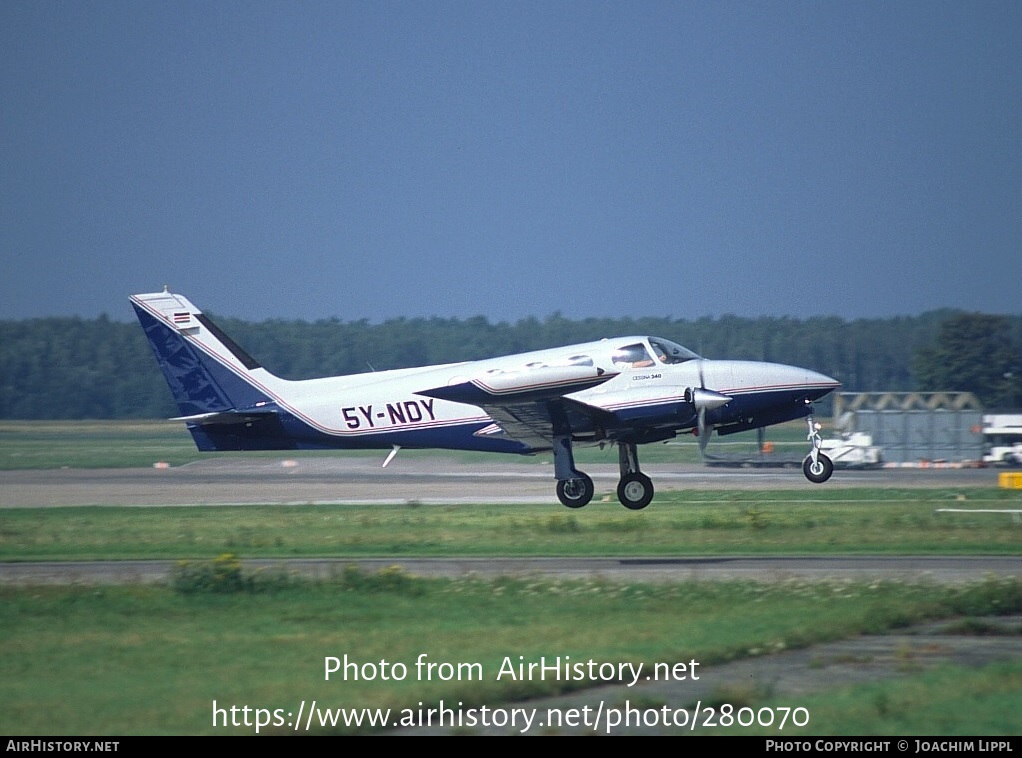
(635, 491)
(819, 471)
(575, 493)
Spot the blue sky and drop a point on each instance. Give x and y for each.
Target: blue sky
(505, 159)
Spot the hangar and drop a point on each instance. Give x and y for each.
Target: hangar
(915, 427)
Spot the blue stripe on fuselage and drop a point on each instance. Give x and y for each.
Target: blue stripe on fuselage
(283, 431)
(781, 404)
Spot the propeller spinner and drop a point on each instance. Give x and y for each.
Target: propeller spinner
(704, 400)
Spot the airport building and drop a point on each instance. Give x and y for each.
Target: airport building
(915, 428)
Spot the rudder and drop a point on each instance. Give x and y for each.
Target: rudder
(206, 370)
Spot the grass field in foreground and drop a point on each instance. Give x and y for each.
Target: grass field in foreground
(818, 521)
(950, 701)
(152, 660)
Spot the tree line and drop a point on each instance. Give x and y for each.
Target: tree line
(74, 368)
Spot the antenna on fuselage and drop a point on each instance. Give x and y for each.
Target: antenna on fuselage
(390, 456)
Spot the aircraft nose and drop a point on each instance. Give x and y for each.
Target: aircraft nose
(746, 377)
(818, 384)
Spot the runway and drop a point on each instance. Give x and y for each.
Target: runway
(360, 480)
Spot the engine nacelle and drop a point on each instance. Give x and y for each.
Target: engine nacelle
(531, 382)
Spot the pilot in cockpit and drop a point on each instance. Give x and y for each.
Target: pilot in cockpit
(632, 356)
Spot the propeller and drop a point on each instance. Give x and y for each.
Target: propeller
(704, 436)
(704, 400)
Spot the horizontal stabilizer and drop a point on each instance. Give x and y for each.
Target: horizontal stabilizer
(226, 417)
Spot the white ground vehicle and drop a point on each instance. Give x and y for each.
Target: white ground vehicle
(855, 450)
(1002, 437)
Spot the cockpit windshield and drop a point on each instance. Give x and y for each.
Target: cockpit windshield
(670, 352)
(637, 355)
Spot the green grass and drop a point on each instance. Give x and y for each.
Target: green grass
(950, 701)
(852, 521)
(151, 660)
(93, 444)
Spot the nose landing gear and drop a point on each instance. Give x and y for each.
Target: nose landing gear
(817, 467)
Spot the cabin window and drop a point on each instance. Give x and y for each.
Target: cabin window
(632, 356)
(580, 360)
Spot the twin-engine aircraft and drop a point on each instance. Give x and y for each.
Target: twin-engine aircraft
(625, 391)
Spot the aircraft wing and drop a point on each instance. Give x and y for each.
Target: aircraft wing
(537, 423)
(531, 406)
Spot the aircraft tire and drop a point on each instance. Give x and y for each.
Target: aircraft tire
(819, 472)
(575, 493)
(635, 491)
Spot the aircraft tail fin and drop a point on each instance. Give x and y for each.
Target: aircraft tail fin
(208, 373)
